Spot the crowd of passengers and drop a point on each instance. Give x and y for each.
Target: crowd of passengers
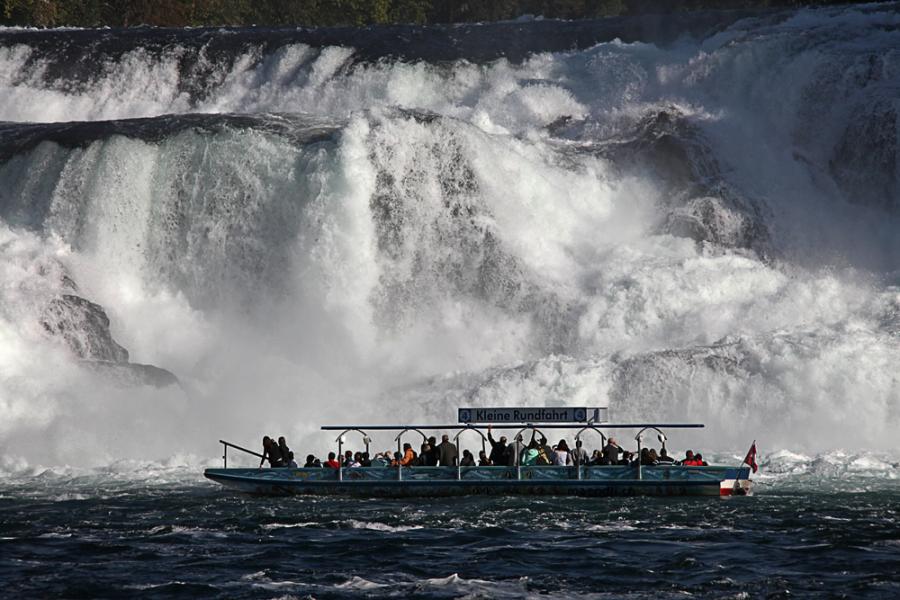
(503, 453)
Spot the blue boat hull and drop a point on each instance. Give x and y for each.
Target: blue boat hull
(499, 481)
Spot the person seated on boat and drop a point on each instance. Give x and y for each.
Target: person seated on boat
(579, 455)
(561, 455)
(611, 451)
(447, 452)
(626, 460)
(530, 454)
(283, 449)
(498, 449)
(332, 462)
(664, 458)
(604, 460)
(271, 453)
(468, 460)
(690, 460)
(647, 457)
(290, 460)
(596, 459)
(698, 458)
(348, 459)
(409, 456)
(483, 460)
(355, 461)
(383, 459)
(312, 462)
(364, 460)
(395, 462)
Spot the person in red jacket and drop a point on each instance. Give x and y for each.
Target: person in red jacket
(331, 462)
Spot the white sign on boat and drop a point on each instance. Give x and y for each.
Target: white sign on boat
(544, 414)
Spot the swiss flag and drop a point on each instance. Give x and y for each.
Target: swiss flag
(751, 457)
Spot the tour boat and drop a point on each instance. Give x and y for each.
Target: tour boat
(519, 479)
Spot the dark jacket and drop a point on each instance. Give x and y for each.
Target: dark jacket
(498, 451)
(509, 455)
(273, 455)
(611, 452)
(448, 454)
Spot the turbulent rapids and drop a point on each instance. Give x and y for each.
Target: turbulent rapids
(235, 232)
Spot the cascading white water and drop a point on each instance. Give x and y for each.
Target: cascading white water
(702, 231)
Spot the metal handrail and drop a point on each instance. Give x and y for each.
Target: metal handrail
(340, 442)
(458, 455)
(226, 445)
(578, 439)
(400, 446)
(639, 438)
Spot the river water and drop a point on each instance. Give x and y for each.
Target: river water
(821, 528)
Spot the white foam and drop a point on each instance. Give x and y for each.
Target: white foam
(409, 265)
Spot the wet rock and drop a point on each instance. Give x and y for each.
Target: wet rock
(698, 201)
(133, 374)
(864, 164)
(84, 327)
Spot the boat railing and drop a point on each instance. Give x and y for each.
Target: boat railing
(518, 438)
(639, 439)
(227, 445)
(578, 441)
(456, 440)
(340, 441)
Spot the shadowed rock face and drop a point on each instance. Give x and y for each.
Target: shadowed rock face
(864, 163)
(697, 200)
(701, 205)
(84, 327)
(133, 374)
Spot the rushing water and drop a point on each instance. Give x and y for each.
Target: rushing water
(227, 233)
(111, 535)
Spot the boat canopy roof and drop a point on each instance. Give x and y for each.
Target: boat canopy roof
(515, 426)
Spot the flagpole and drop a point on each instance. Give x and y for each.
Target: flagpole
(744, 462)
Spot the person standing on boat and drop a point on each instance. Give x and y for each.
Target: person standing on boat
(431, 459)
(579, 455)
(611, 451)
(447, 452)
(283, 450)
(498, 449)
(271, 453)
(561, 456)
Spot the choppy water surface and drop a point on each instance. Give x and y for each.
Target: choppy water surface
(84, 536)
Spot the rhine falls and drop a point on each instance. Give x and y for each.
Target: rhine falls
(214, 234)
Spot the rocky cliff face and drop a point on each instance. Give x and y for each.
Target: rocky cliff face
(84, 327)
